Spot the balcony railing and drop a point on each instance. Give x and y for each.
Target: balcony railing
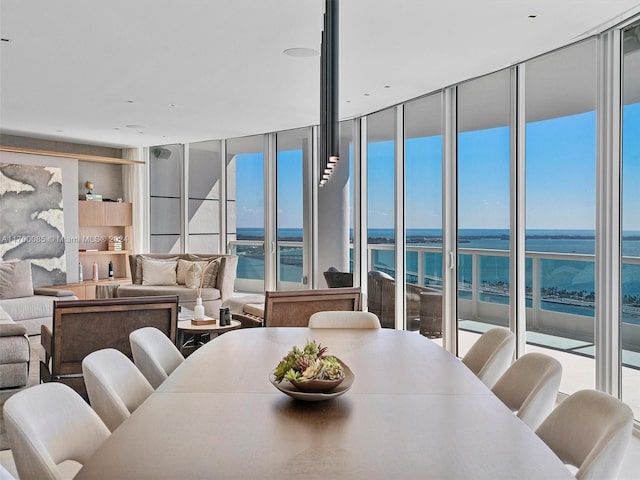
(559, 286)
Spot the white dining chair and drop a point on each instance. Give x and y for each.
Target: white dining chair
(154, 354)
(530, 387)
(490, 356)
(51, 431)
(589, 430)
(114, 384)
(344, 319)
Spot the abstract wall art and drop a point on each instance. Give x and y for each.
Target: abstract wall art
(32, 220)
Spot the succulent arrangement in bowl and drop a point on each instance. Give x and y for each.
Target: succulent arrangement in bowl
(309, 369)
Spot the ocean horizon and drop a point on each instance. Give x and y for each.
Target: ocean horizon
(571, 281)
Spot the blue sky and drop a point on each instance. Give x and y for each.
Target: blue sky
(560, 178)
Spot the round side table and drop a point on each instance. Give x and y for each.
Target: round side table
(200, 334)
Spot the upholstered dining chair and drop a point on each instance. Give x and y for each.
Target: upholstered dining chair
(589, 430)
(114, 384)
(154, 354)
(52, 431)
(490, 356)
(530, 387)
(344, 320)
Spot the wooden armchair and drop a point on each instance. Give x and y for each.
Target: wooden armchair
(84, 326)
(294, 307)
(423, 304)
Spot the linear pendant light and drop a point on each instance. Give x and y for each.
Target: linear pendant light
(329, 147)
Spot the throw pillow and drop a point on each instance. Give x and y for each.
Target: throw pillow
(211, 274)
(139, 259)
(183, 267)
(193, 275)
(15, 279)
(158, 272)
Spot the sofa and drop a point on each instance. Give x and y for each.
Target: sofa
(24, 304)
(14, 353)
(176, 274)
(23, 310)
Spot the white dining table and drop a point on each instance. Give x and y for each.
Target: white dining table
(413, 411)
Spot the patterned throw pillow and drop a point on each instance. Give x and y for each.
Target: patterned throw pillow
(211, 274)
(193, 275)
(183, 267)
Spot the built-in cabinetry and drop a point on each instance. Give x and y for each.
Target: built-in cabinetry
(88, 289)
(99, 223)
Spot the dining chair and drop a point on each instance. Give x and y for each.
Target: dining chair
(490, 356)
(331, 319)
(114, 384)
(589, 430)
(154, 354)
(51, 431)
(530, 387)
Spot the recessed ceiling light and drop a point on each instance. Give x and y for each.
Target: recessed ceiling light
(366, 94)
(8, 40)
(130, 101)
(387, 86)
(532, 16)
(348, 101)
(135, 126)
(301, 52)
(172, 105)
(59, 131)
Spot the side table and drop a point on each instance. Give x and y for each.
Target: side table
(200, 334)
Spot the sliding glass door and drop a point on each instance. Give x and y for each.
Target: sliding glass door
(483, 171)
(245, 210)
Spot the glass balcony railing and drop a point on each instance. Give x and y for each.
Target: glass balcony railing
(559, 286)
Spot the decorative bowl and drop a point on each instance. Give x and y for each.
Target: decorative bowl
(286, 387)
(317, 386)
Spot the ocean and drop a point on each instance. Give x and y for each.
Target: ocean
(566, 285)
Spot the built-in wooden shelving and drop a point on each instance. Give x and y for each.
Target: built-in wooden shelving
(79, 156)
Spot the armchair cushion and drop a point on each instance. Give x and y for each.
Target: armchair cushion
(158, 272)
(12, 329)
(52, 292)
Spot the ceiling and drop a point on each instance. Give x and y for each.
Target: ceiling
(147, 72)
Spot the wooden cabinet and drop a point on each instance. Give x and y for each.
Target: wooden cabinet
(88, 289)
(99, 223)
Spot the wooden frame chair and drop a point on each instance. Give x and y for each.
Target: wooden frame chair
(292, 308)
(81, 327)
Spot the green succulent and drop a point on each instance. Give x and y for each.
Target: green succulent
(308, 364)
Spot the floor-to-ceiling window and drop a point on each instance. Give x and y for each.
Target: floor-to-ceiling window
(423, 213)
(630, 268)
(245, 210)
(483, 206)
(165, 193)
(293, 152)
(203, 222)
(560, 209)
(381, 214)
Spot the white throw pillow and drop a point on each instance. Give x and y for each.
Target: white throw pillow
(158, 272)
(15, 279)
